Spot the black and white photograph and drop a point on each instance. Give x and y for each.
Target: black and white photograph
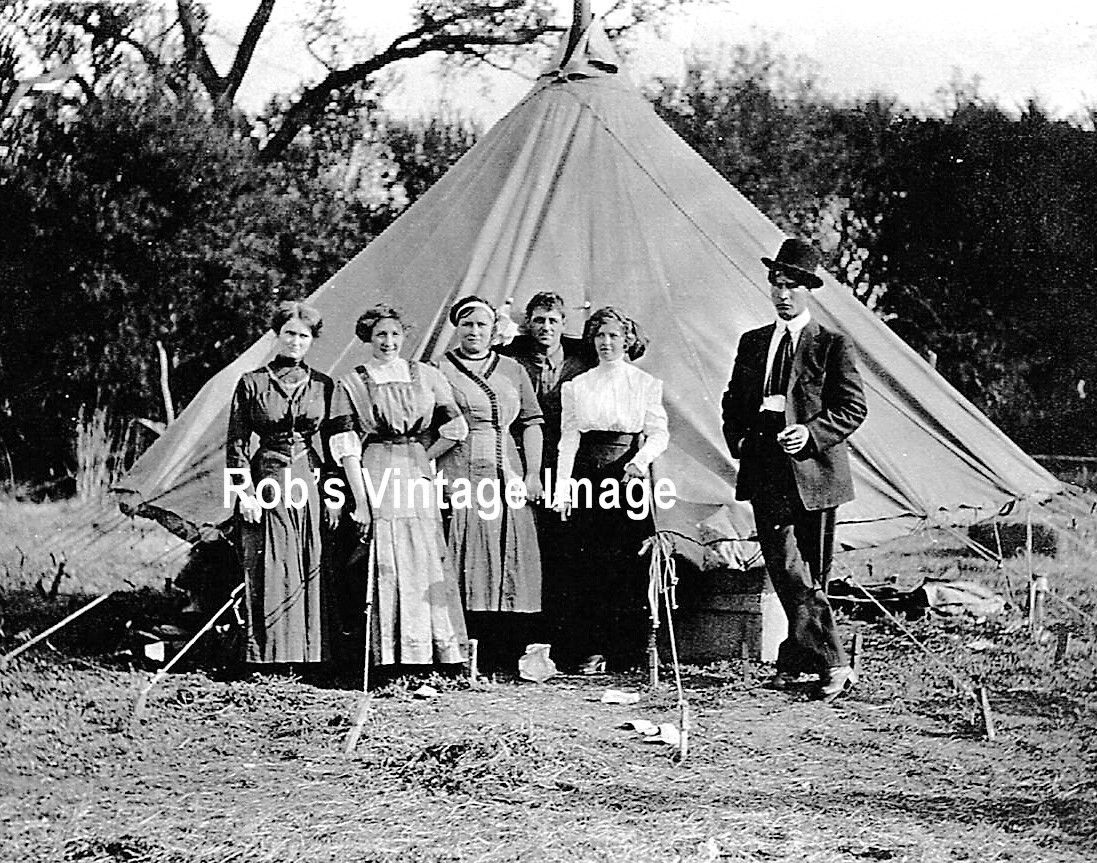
(548, 430)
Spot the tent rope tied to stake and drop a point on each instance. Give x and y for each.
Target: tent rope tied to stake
(142, 699)
(663, 585)
(979, 695)
(958, 679)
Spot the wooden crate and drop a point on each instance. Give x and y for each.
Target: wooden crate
(720, 612)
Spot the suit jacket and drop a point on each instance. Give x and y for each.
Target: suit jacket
(824, 394)
(575, 363)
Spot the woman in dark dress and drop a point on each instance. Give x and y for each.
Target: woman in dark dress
(612, 427)
(283, 404)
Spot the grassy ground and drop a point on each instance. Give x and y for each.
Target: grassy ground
(252, 769)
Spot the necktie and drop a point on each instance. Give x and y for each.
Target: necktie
(548, 378)
(782, 367)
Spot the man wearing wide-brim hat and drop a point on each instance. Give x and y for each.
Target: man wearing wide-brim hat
(795, 396)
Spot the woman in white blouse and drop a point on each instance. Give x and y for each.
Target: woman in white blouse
(389, 418)
(612, 426)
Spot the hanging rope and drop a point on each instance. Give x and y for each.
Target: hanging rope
(663, 584)
(662, 573)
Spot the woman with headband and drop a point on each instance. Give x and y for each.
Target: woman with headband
(493, 542)
(612, 426)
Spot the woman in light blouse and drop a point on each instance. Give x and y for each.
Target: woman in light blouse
(392, 416)
(613, 425)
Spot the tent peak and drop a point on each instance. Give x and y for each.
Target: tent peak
(585, 54)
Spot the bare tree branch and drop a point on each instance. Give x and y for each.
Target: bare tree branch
(197, 57)
(483, 31)
(429, 37)
(246, 51)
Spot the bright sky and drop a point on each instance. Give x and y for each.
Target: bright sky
(1046, 49)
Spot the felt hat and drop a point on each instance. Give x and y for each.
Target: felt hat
(798, 259)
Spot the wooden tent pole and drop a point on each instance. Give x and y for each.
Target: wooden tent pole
(579, 20)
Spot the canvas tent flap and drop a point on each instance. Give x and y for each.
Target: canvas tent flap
(581, 189)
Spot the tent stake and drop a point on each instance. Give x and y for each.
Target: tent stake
(27, 645)
(142, 699)
(474, 660)
(855, 652)
(1037, 592)
(984, 710)
(1062, 642)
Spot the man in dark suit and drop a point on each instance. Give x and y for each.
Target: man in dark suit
(795, 396)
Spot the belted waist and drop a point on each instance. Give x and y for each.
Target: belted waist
(601, 451)
(283, 448)
(392, 440)
(600, 437)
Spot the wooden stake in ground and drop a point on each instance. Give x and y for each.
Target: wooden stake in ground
(474, 660)
(27, 645)
(1062, 642)
(142, 699)
(684, 726)
(1037, 594)
(984, 711)
(855, 652)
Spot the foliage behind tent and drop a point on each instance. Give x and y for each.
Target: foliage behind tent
(143, 214)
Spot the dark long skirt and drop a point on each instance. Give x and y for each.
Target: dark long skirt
(284, 613)
(605, 580)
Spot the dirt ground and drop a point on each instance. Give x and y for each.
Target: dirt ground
(252, 768)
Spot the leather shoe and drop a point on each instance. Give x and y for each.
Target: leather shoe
(594, 664)
(782, 681)
(834, 682)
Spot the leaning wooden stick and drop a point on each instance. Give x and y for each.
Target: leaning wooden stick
(142, 699)
(363, 702)
(27, 645)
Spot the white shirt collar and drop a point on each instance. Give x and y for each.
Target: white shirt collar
(796, 325)
(393, 364)
(611, 366)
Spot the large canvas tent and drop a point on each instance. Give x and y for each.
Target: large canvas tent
(583, 190)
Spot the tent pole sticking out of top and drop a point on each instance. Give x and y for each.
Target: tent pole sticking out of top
(580, 19)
